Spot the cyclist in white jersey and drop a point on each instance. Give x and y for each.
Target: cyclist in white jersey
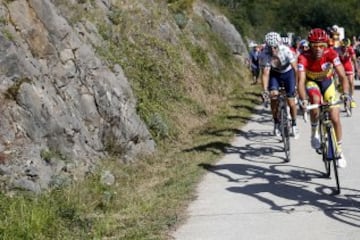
(279, 67)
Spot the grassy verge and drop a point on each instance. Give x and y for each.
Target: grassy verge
(149, 196)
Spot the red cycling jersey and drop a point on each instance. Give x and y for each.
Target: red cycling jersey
(345, 55)
(318, 69)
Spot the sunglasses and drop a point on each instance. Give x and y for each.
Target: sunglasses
(318, 45)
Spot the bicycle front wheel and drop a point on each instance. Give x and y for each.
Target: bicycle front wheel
(332, 155)
(285, 132)
(324, 148)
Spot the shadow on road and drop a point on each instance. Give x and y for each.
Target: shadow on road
(263, 146)
(292, 183)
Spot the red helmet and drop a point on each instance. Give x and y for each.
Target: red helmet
(318, 35)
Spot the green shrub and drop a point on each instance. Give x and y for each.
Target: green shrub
(177, 6)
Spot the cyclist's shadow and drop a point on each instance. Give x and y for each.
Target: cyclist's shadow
(291, 185)
(260, 147)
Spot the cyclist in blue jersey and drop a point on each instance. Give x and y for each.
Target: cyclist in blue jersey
(278, 66)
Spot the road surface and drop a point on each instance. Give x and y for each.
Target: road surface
(252, 194)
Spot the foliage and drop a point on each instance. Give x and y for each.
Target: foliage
(13, 90)
(255, 18)
(180, 5)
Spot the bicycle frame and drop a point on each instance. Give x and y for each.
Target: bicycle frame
(328, 140)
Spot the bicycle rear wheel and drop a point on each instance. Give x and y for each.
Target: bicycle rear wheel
(285, 132)
(332, 155)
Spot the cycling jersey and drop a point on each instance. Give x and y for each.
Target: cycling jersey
(345, 54)
(281, 71)
(319, 74)
(319, 69)
(279, 62)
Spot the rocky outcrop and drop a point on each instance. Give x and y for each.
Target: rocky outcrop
(225, 29)
(62, 108)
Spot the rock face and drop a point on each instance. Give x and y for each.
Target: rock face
(221, 25)
(62, 108)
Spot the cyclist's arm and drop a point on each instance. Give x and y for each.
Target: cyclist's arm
(354, 60)
(301, 87)
(294, 66)
(265, 75)
(342, 77)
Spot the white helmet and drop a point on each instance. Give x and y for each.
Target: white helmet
(273, 39)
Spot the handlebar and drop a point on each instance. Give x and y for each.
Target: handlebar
(325, 104)
(317, 105)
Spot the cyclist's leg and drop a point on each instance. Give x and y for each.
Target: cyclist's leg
(315, 97)
(274, 92)
(289, 82)
(330, 94)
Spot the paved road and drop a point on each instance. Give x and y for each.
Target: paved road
(252, 194)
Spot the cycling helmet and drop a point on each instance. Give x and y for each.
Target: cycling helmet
(318, 35)
(272, 39)
(346, 42)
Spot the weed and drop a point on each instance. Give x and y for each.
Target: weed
(12, 92)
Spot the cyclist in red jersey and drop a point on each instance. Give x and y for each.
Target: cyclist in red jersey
(348, 59)
(316, 68)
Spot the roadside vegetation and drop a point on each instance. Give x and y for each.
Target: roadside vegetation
(290, 16)
(193, 94)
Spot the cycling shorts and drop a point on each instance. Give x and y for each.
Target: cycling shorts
(286, 79)
(324, 90)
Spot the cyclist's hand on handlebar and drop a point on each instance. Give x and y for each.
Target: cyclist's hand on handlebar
(265, 95)
(304, 103)
(265, 98)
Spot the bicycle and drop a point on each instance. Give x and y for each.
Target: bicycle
(328, 141)
(283, 117)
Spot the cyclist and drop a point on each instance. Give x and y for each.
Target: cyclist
(278, 67)
(316, 69)
(348, 59)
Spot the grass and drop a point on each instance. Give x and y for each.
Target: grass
(192, 94)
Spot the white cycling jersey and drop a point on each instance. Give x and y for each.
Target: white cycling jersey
(279, 62)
